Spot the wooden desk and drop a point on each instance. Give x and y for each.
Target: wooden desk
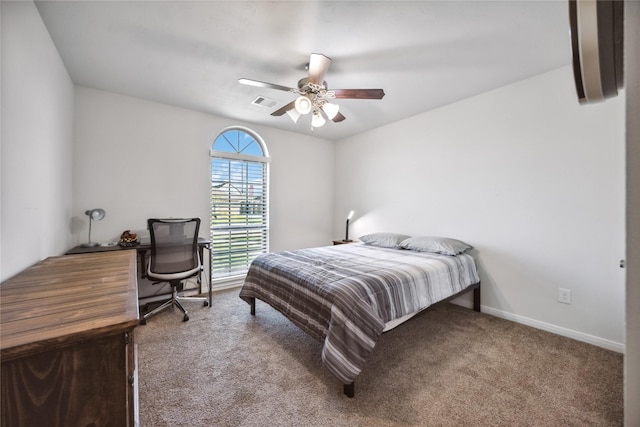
(66, 344)
(142, 250)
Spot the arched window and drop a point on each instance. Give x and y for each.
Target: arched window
(239, 201)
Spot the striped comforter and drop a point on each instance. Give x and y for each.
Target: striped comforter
(343, 295)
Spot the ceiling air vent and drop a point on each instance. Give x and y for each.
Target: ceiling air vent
(264, 102)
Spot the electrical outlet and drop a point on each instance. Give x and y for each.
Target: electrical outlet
(564, 295)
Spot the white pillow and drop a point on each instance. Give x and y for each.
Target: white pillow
(384, 240)
(437, 245)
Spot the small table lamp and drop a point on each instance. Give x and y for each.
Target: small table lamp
(95, 215)
(346, 237)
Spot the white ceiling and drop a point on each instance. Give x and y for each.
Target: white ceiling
(424, 54)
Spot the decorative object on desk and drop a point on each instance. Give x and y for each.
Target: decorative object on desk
(127, 239)
(94, 215)
(346, 237)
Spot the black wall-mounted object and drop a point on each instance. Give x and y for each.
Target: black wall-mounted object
(597, 35)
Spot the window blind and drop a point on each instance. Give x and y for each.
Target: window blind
(239, 214)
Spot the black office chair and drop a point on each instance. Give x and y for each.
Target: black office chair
(174, 258)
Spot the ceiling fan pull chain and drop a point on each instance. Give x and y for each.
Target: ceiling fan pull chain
(315, 87)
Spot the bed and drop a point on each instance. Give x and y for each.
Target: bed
(347, 295)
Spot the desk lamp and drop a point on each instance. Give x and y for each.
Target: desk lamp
(94, 215)
(346, 237)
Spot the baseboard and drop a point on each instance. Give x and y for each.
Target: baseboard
(468, 303)
(227, 283)
(569, 333)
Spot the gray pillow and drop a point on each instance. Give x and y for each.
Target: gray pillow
(437, 245)
(384, 240)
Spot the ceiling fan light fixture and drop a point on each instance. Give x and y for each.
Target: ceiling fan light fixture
(303, 105)
(331, 110)
(294, 114)
(313, 95)
(317, 120)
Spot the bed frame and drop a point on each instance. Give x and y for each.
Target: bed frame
(349, 389)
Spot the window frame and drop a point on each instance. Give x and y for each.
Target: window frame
(265, 160)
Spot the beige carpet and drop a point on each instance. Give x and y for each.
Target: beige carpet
(449, 366)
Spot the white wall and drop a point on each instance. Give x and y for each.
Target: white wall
(37, 130)
(138, 159)
(531, 179)
(534, 181)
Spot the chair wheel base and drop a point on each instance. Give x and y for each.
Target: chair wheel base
(206, 304)
(143, 321)
(185, 318)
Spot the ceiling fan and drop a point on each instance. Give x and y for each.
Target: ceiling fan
(313, 95)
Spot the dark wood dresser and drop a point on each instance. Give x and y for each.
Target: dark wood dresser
(67, 344)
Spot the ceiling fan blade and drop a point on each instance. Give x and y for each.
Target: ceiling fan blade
(318, 66)
(250, 82)
(338, 118)
(284, 109)
(359, 93)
